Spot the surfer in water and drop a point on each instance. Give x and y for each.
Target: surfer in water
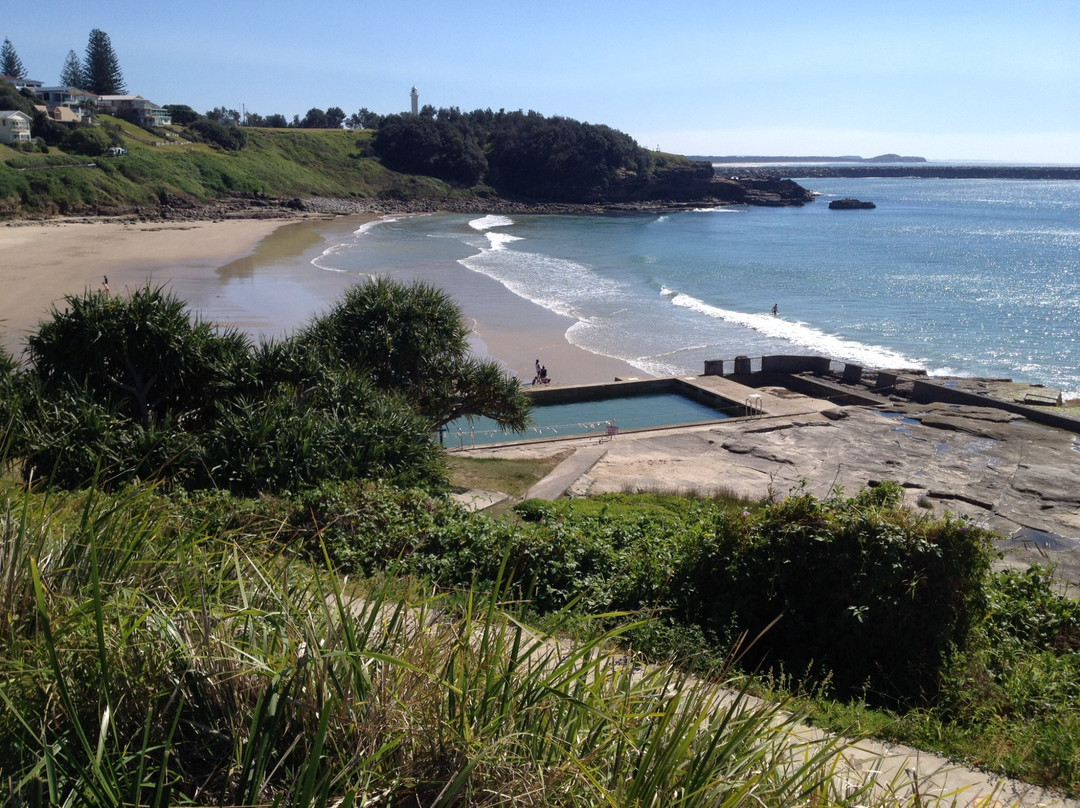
(775, 310)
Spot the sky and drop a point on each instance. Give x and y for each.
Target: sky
(943, 79)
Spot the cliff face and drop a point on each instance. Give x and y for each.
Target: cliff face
(771, 191)
(697, 183)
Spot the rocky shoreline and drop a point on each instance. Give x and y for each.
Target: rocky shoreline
(296, 208)
(712, 192)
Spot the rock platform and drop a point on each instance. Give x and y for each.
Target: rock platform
(999, 469)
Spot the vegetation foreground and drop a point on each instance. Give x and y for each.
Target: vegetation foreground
(209, 651)
(230, 575)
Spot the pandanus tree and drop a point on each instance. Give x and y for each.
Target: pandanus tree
(132, 387)
(124, 388)
(411, 339)
(142, 354)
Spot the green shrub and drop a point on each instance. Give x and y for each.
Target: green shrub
(340, 429)
(859, 589)
(231, 138)
(149, 661)
(91, 141)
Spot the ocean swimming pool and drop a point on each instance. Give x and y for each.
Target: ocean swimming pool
(592, 417)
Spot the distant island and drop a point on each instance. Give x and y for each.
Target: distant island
(846, 158)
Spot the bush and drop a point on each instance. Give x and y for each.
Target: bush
(858, 593)
(91, 141)
(340, 429)
(231, 138)
(72, 440)
(859, 588)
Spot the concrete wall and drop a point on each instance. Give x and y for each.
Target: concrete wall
(926, 392)
(794, 364)
(744, 365)
(542, 394)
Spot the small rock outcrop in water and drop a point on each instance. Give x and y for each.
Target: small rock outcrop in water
(851, 204)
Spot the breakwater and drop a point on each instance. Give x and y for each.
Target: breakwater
(973, 172)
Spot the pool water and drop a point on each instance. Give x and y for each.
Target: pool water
(587, 418)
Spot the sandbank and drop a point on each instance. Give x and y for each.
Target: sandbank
(258, 276)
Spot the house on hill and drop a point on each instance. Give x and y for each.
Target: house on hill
(14, 126)
(68, 104)
(134, 108)
(21, 83)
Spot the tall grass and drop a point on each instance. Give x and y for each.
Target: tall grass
(147, 661)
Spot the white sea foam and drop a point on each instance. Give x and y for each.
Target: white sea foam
(553, 283)
(490, 221)
(321, 260)
(367, 227)
(498, 241)
(800, 334)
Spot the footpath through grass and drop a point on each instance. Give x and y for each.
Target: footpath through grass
(200, 649)
(150, 659)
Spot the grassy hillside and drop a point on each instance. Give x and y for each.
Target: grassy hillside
(275, 162)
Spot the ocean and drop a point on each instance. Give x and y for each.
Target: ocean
(955, 277)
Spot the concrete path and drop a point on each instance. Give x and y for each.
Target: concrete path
(556, 483)
(477, 500)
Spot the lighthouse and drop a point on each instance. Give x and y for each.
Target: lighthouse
(415, 96)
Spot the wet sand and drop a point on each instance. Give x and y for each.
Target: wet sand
(257, 276)
(43, 263)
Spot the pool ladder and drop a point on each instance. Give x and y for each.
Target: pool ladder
(753, 406)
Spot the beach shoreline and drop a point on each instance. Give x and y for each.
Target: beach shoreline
(252, 274)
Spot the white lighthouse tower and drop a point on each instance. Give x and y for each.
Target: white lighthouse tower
(415, 96)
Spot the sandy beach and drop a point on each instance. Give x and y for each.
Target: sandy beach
(42, 263)
(258, 276)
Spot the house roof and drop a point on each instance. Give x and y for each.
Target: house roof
(15, 113)
(20, 82)
(65, 115)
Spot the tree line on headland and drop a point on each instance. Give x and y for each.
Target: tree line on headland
(449, 154)
(436, 153)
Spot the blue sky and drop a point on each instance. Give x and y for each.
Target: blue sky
(944, 80)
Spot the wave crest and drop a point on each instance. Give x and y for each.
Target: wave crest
(490, 221)
(799, 333)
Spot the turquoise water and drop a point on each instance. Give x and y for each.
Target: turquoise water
(957, 277)
(588, 418)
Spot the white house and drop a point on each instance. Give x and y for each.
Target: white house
(143, 112)
(14, 126)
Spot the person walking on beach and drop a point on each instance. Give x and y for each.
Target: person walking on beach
(105, 283)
